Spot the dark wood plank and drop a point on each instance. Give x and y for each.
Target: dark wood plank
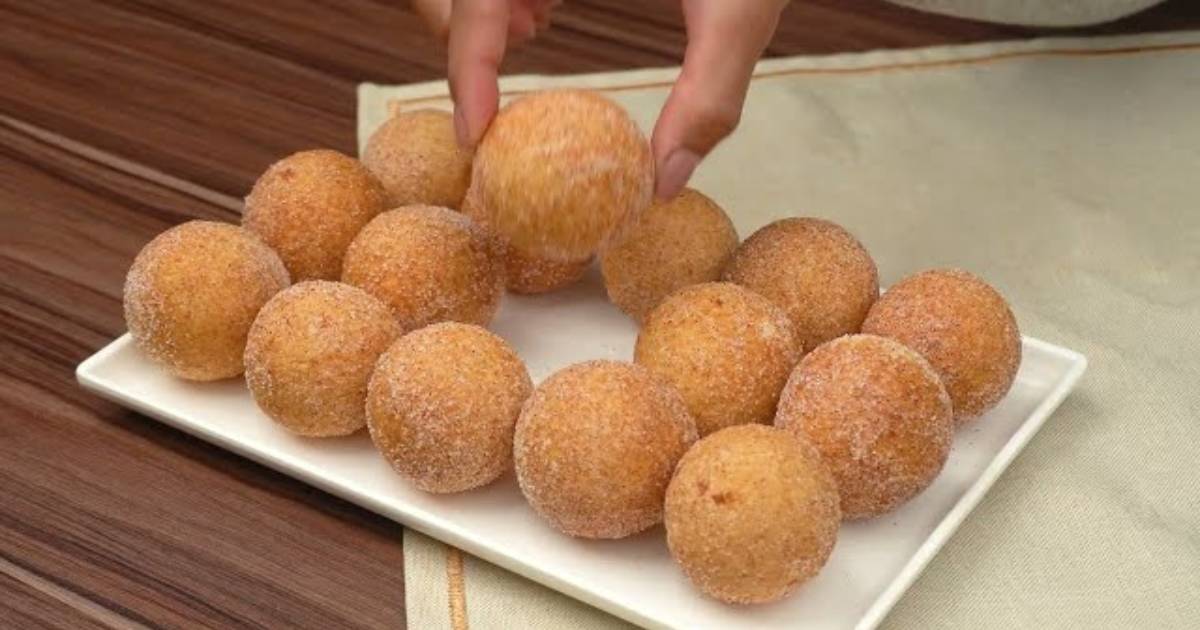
(214, 91)
(157, 526)
(161, 94)
(23, 605)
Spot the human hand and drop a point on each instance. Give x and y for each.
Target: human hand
(478, 32)
(725, 39)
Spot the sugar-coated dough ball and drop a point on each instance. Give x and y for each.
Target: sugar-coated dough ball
(418, 160)
(428, 265)
(816, 270)
(560, 171)
(533, 275)
(673, 244)
(192, 294)
(751, 514)
(728, 350)
(309, 206)
(310, 353)
(596, 445)
(962, 326)
(879, 416)
(443, 403)
(525, 273)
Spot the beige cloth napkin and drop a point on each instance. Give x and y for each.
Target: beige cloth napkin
(1065, 171)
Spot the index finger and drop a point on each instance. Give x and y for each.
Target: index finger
(478, 36)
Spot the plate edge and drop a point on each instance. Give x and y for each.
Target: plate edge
(445, 531)
(958, 514)
(448, 533)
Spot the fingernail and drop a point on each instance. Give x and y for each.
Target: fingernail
(675, 172)
(461, 133)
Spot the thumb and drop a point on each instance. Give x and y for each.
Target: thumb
(478, 37)
(725, 39)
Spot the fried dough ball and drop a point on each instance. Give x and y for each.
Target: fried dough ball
(192, 294)
(418, 160)
(525, 273)
(962, 326)
(443, 403)
(310, 353)
(309, 206)
(751, 514)
(879, 416)
(816, 270)
(673, 244)
(531, 275)
(560, 171)
(595, 447)
(728, 350)
(428, 265)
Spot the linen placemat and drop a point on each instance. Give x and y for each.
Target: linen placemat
(1064, 171)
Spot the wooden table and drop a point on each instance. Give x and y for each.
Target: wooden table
(120, 118)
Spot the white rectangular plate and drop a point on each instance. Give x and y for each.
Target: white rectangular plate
(871, 566)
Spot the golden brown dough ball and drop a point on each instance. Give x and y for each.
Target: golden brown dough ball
(879, 416)
(418, 160)
(310, 353)
(596, 445)
(428, 265)
(525, 273)
(728, 350)
(816, 270)
(559, 171)
(673, 244)
(443, 403)
(192, 294)
(962, 326)
(531, 275)
(751, 514)
(309, 206)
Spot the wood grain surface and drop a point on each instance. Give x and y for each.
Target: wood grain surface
(120, 118)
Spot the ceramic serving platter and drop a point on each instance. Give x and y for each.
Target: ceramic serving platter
(872, 564)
